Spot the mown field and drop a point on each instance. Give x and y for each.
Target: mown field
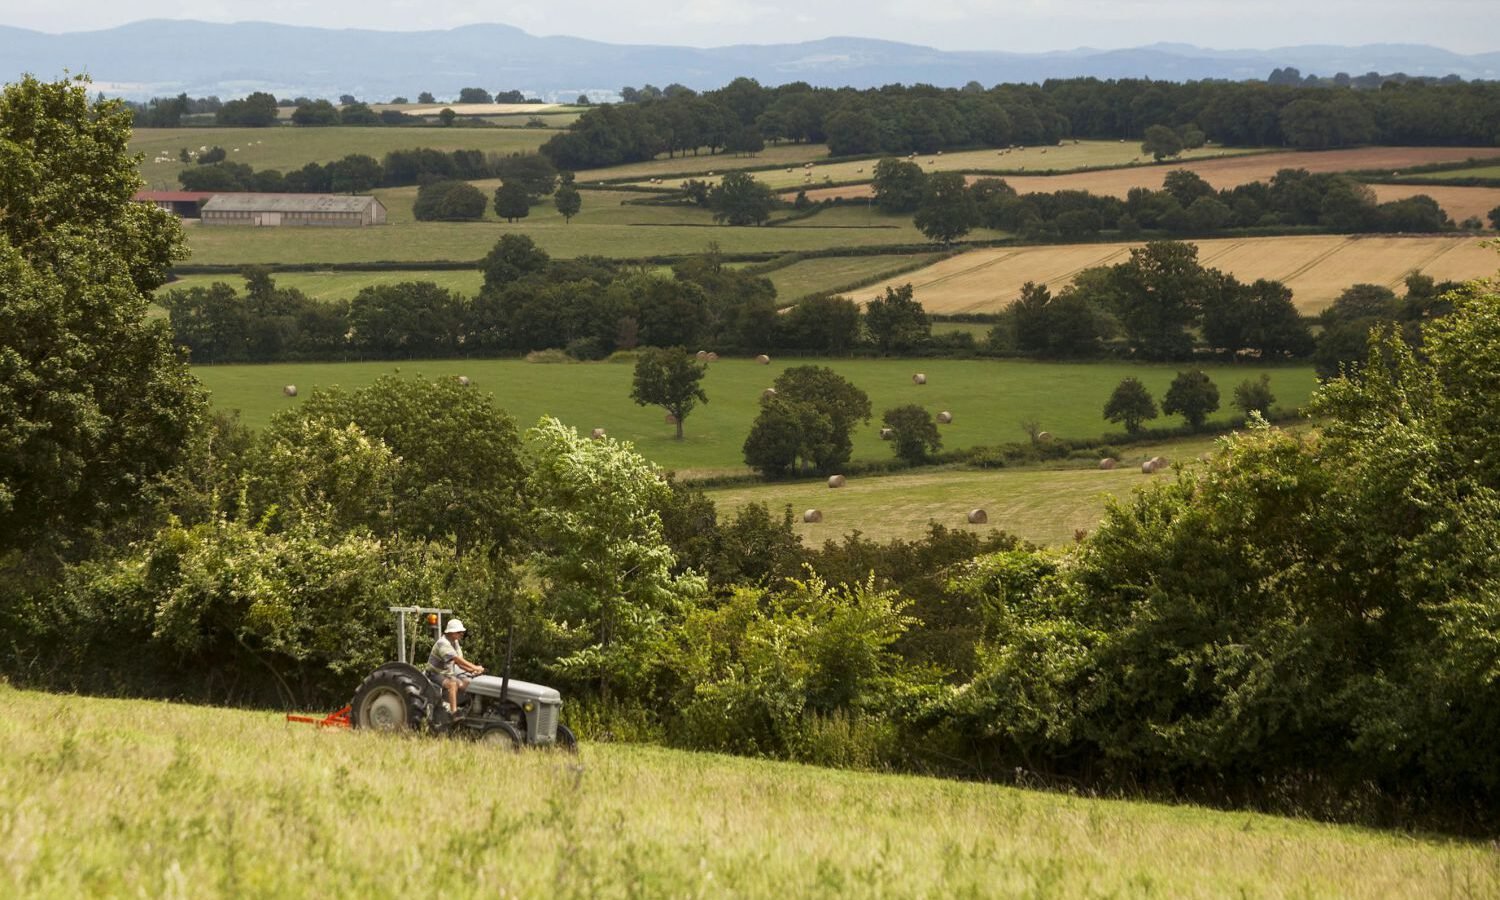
(290, 147)
(989, 399)
(1316, 267)
(137, 798)
(812, 276)
(1451, 174)
(1045, 505)
(342, 285)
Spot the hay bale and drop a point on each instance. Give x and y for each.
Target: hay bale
(670, 419)
(463, 381)
(978, 517)
(598, 434)
(835, 481)
(1108, 462)
(1044, 436)
(1160, 462)
(887, 434)
(813, 515)
(290, 390)
(1148, 467)
(763, 359)
(703, 354)
(768, 393)
(945, 418)
(712, 356)
(919, 378)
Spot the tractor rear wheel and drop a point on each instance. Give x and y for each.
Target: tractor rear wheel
(388, 701)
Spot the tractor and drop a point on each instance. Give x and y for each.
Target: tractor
(398, 696)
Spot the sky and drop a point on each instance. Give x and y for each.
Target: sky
(1465, 26)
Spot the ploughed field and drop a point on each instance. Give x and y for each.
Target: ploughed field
(1316, 267)
(139, 798)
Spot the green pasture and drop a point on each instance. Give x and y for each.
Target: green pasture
(342, 285)
(116, 798)
(603, 228)
(979, 330)
(697, 165)
(1042, 504)
(989, 399)
(287, 147)
(1067, 157)
(1453, 174)
(813, 276)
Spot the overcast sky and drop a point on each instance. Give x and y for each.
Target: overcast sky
(1467, 26)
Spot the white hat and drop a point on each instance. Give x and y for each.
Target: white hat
(453, 625)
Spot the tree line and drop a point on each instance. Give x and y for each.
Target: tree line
(359, 172)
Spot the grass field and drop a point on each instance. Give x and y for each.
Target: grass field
(1475, 172)
(988, 398)
(779, 154)
(1317, 268)
(1080, 155)
(343, 285)
(812, 276)
(136, 798)
(604, 227)
(1044, 505)
(290, 147)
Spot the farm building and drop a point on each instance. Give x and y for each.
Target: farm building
(326, 210)
(184, 204)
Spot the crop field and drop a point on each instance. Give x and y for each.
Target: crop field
(1066, 157)
(813, 276)
(1225, 172)
(343, 285)
(1458, 202)
(604, 227)
(1317, 268)
(289, 147)
(989, 399)
(1043, 505)
(141, 798)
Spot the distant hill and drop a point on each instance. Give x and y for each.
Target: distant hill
(162, 57)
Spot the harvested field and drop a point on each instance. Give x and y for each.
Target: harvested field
(1317, 268)
(811, 276)
(1221, 173)
(1458, 202)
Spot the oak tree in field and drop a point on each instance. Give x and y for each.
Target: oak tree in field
(448, 201)
(897, 322)
(915, 435)
(1161, 142)
(1193, 395)
(512, 201)
(948, 211)
(513, 257)
(899, 185)
(1130, 404)
(739, 199)
(671, 379)
(568, 202)
(95, 404)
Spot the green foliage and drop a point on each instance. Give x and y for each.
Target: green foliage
(1130, 404)
(568, 202)
(1194, 395)
(532, 172)
(948, 211)
(787, 436)
(448, 201)
(1161, 142)
(739, 199)
(671, 379)
(514, 256)
(512, 201)
(899, 185)
(833, 397)
(896, 322)
(915, 435)
(1254, 395)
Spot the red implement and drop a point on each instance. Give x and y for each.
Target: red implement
(338, 719)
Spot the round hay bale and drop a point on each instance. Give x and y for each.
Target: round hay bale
(463, 381)
(887, 434)
(703, 354)
(768, 393)
(1108, 462)
(1160, 462)
(1044, 435)
(919, 378)
(835, 481)
(978, 517)
(813, 515)
(945, 418)
(598, 434)
(763, 359)
(1148, 467)
(712, 356)
(290, 390)
(670, 419)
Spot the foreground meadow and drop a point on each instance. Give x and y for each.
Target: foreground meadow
(989, 399)
(122, 797)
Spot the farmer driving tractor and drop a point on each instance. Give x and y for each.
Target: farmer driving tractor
(447, 666)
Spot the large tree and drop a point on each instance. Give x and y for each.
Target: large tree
(899, 185)
(896, 321)
(95, 405)
(1130, 404)
(739, 199)
(1194, 395)
(948, 211)
(668, 377)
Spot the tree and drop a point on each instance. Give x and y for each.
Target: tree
(787, 435)
(474, 95)
(316, 112)
(739, 199)
(1494, 217)
(258, 110)
(1192, 395)
(533, 172)
(448, 201)
(354, 174)
(514, 256)
(668, 377)
(568, 202)
(1130, 404)
(899, 185)
(834, 398)
(896, 322)
(948, 211)
(446, 115)
(426, 97)
(1157, 294)
(915, 435)
(512, 202)
(1161, 142)
(826, 323)
(95, 404)
(1254, 395)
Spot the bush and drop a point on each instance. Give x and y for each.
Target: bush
(448, 201)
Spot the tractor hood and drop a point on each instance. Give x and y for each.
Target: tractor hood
(489, 686)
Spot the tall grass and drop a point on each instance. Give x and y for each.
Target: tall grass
(132, 798)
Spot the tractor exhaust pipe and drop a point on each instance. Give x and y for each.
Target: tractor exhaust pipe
(510, 643)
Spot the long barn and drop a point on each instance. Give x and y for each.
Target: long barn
(324, 210)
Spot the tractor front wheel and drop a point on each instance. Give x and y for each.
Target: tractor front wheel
(501, 735)
(566, 740)
(388, 701)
